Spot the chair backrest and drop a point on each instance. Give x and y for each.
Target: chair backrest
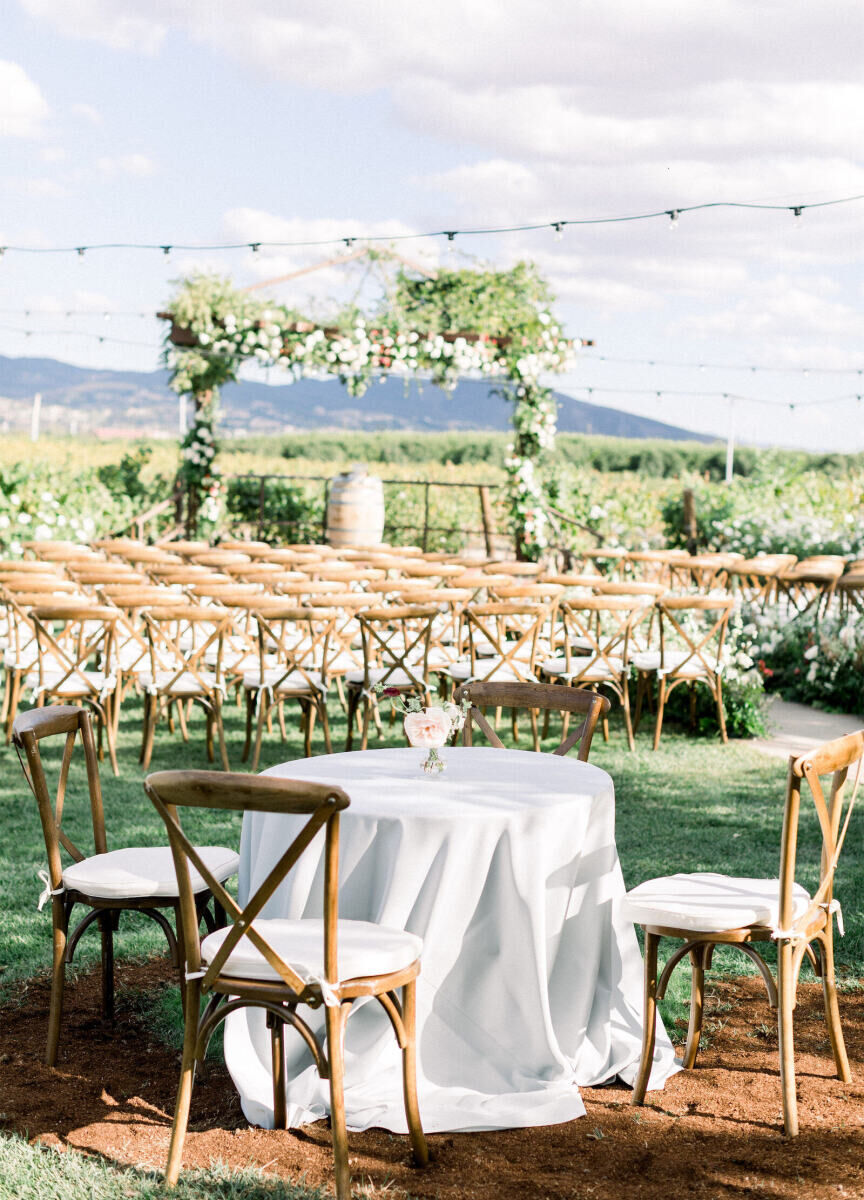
(59, 720)
(511, 631)
(74, 640)
(703, 648)
(396, 639)
(542, 696)
(224, 791)
(601, 628)
(295, 642)
(836, 758)
(186, 639)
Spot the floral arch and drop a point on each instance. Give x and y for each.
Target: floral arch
(493, 324)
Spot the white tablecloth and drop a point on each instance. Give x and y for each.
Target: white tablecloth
(530, 984)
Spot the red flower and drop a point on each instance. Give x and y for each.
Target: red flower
(390, 692)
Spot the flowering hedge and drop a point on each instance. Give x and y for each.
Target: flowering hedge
(819, 663)
(427, 327)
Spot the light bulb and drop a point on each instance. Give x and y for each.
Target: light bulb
(673, 219)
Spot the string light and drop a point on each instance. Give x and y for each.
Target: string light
(703, 366)
(673, 219)
(558, 226)
(727, 396)
(672, 213)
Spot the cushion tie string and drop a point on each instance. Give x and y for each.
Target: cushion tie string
(833, 906)
(195, 974)
(329, 992)
(48, 891)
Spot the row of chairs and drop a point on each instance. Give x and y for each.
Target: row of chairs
(176, 652)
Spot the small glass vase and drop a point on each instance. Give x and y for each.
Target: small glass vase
(433, 764)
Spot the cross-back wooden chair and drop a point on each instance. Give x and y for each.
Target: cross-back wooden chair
(597, 637)
(688, 653)
(706, 910)
(107, 882)
(179, 639)
(396, 644)
(538, 697)
(277, 965)
(756, 578)
(295, 646)
(76, 663)
(502, 642)
(810, 583)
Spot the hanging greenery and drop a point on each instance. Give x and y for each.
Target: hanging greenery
(496, 324)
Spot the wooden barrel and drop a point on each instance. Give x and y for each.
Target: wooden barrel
(355, 509)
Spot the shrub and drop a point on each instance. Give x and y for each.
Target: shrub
(281, 511)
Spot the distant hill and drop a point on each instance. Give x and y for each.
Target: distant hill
(111, 403)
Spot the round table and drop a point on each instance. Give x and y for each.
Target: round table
(531, 984)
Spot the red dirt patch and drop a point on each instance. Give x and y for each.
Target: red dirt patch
(713, 1132)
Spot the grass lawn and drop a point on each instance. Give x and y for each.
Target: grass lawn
(694, 805)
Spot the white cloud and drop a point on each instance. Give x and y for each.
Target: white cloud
(138, 165)
(87, 113)
(121, 24)
(23, 108)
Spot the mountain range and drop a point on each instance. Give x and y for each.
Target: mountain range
(83, 400)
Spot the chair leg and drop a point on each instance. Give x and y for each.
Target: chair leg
(364, 737)
(220, 731)
(409, 1074)
(649, 1018)
(107, 932)
(640, 694)
(58, 978)
(661, 701)
(259, 729)
(832, 1011)
(721, 714)
(280, 713)
(14, 698)
(697, 1004)
(353, 700)
(311, 712)
(625, 704)
(277, 1054)
(535, 734)
(149, 730)
(335, 1020)
(250, 711)
(325, 724)
(111, 740)
(187, 1082)
(785, 1014)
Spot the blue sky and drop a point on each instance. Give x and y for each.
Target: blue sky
(206, 121)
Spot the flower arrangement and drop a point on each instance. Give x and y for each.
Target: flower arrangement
(495, 324)
(428, 727)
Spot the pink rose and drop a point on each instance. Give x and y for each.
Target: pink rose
(428, 729)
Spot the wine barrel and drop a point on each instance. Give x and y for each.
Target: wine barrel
(355, 509)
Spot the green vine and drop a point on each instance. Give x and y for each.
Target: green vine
(496, 324)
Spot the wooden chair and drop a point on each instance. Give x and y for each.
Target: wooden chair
(543, 697)
(597, 639)
(76, 663)
(179, 638)
(107, 882)
(502, 642)
(697, 657)
(255, 962)
(295, 646)
(706, 910)
(756, 578)
(395, 655)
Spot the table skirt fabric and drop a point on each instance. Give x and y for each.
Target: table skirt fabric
(531, 982)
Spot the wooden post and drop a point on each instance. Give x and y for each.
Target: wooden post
(426, 516)
(324, 510)
(488, 518)
(690, 531)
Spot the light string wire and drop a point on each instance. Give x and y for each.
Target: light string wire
(450, 234)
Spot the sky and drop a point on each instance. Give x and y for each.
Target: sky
(201, 122)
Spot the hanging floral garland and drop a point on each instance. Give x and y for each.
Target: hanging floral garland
(422, 331)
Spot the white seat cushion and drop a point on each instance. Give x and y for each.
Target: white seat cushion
(649, 660)
(143, 871)
(589, 670)
(493, 669)
(185, 684)
(397, 678)
(294, 681)
(364, 949)
(708, 903)
(54, 683)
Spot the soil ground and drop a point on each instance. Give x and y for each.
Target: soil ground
(713, 1132)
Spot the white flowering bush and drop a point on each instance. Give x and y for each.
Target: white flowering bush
(42, 503)
(815, 662)
(493, 324)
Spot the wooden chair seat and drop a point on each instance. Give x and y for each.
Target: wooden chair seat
(364, 949)
(491, 667)
(710, 903)
(169, 682)
(275, 677)
(587, 669)
(143, 871)
(680, 662)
